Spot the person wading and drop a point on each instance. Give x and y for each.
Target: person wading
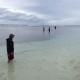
(10, 47)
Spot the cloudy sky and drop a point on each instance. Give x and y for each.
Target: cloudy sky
(38, 12)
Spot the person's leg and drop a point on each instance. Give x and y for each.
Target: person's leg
(9, 58)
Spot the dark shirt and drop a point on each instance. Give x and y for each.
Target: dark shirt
(10, 45)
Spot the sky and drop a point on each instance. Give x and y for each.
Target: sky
(40, 12)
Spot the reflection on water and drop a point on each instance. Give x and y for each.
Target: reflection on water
(26, 34)
(11, 71)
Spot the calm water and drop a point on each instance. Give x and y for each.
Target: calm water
(26, 34)
(54, 59)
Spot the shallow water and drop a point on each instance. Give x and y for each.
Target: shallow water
(54, 59)
(25, 33)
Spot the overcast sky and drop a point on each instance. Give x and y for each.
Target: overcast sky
(38, 12)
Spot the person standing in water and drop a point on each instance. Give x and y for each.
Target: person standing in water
(10, 47)
(43, 29)
(49, 29)
(55, 27)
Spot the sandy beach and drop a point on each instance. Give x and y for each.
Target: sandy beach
(45, 60)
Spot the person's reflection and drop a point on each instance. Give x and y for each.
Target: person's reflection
(11, 71)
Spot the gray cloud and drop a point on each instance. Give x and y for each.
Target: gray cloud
(57, 8)
(41, 11)
(7, 15)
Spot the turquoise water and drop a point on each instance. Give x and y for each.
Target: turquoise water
(56, 58)
(64, 37)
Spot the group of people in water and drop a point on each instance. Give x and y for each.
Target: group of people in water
(10, 45)
(48, 29)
